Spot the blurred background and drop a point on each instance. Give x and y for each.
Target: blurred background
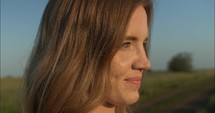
(182, 54)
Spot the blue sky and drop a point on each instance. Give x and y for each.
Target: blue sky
(179, 26)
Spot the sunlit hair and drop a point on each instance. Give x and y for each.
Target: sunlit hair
(68, 70)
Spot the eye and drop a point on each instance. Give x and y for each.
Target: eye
(145, 43)
(145, 46)
(126, 44)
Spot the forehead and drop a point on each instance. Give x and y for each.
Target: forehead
(138, 23)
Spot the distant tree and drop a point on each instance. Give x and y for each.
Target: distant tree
(181, 62)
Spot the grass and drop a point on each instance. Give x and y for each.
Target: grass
(156, 83)
(11, 95)
(162, 92)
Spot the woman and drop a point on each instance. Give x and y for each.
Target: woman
(88, 57)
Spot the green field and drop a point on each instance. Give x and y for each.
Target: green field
(177, 93)
(11, 95)
(162, 92)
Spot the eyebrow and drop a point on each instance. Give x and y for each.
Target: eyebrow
(134, 38)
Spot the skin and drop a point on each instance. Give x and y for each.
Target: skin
(129, 64)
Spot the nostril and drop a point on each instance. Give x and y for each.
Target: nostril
(141, 63)
(141, 69)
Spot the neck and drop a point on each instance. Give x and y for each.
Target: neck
(106, 108)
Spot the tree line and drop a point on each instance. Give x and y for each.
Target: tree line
(181, 62)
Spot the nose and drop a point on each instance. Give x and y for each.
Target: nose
(141, 62)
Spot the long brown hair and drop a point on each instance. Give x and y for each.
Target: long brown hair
(69, 65)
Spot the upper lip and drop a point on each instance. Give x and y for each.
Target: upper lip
(137, 78)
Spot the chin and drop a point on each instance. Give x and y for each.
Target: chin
(132, 98)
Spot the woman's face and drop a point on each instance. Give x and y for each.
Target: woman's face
(130, 62)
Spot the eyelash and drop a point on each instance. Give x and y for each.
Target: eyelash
(126, 44)
(145, 44)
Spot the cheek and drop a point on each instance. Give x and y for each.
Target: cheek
(120, 93)
(120, 66)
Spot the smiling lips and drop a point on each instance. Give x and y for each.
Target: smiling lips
(134, 81)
